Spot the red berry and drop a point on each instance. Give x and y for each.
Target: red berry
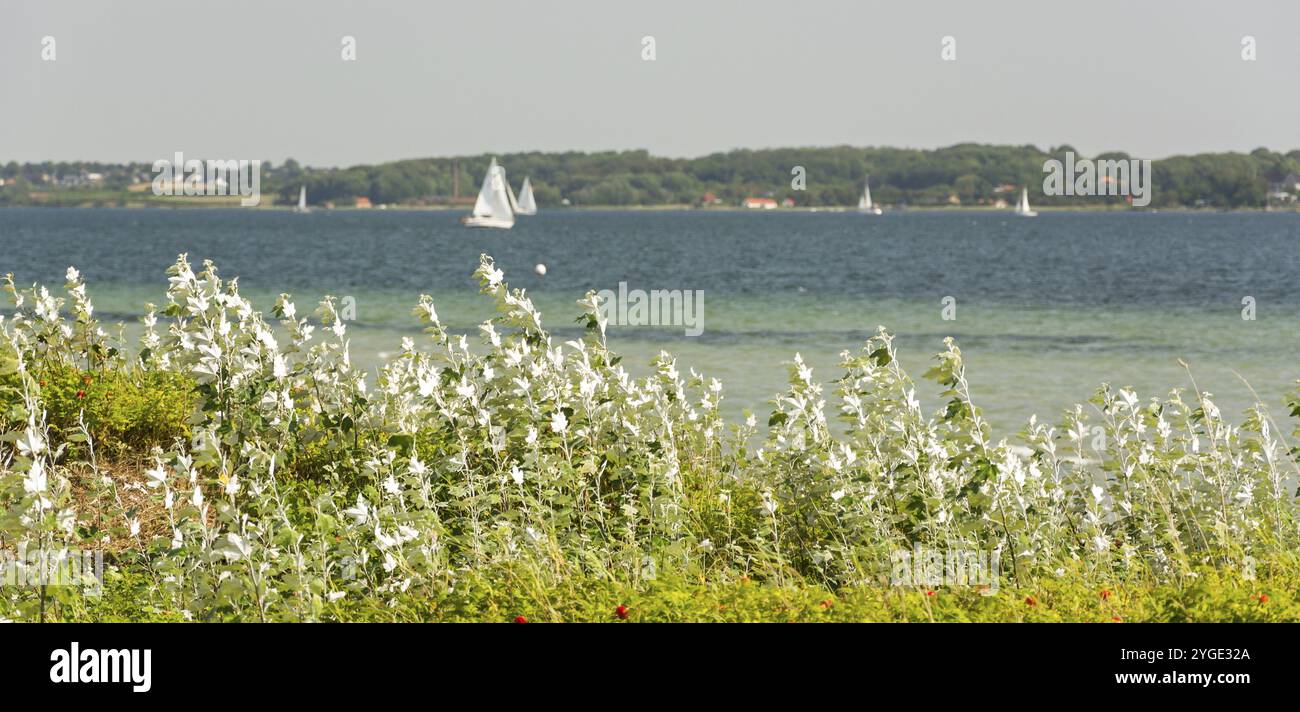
(1262, 598)
(930, 593)
(621, 612)
(1105, 594)
(81, 394)
(1031, 601)
(520, 619)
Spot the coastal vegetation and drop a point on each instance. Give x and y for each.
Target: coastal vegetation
(964, 174)
(234, 464)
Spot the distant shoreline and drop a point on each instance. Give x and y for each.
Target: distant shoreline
(215, 203)
(965, 176)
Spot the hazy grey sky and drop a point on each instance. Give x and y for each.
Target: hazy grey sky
(140, 80)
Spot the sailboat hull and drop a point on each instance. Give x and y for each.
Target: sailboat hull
(493, 222)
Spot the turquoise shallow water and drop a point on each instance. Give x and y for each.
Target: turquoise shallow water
(1046, 309)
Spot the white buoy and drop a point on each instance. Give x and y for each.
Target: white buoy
(540, 269)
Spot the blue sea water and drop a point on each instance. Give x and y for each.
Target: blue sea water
(1046, 309)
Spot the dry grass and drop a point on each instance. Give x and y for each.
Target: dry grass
(99, 507)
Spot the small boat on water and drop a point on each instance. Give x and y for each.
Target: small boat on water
(865, 206)
(1022, 208)
(495, 204)
(302, 200)
(527, 203)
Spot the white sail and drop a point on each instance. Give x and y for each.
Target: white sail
(527, 203)
(1022, 208)
(482, 209)
(493, 207)
(502, 198)
(864, 203)
(302, 199)
(510, 193)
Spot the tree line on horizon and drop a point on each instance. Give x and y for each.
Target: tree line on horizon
(967, 174)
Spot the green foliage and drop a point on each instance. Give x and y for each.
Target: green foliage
(503, 596)
(973, 173)
(123, 410)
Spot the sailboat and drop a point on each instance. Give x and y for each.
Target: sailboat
(302, 200)
(1022, 208)
(495, 204)
(864, 203)
(527, 203)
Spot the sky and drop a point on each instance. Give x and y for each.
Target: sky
(142, 79)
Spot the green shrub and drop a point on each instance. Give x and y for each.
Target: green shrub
(122, 410)
(502, 597)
